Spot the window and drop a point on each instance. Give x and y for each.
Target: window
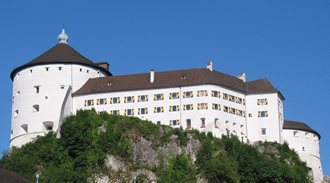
(109, 83)
(30, 71)
(129, 99)
(174, 95)
(188, 123)
(89, 102)
(263, 131)
(188, 94)
(201, 93)
(201, 106)
(216, 121)
(203, 122)
(35, 108)
(59, 68)
(225, 96)
(295, 134)
(115, 100)
(239, 112)
(225, 109)
(47, 68)
(262, 101)
(232, 110)
(37, 89)
(231, 98)
(142, 98)
(174, 122)
(216, 106)
(80, 69)
(239, 100)
(188, 107)
(129, 112)
(303, 148)
(48, 125)
(183, 77)
(16, 114)
(262, 114)
(143, 110)
(101, 101)
(87, 71)
(25, 128)
(159, 96)
(174, 108)
(250, 115)
(158, 109)
(18, 92)
(159, 122)
(115, 112)
(215, 94)
(307, 135)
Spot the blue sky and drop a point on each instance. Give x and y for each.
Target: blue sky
(286, 42)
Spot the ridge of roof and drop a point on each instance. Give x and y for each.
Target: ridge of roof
(163, 79)
(60, 53)
(295, 125)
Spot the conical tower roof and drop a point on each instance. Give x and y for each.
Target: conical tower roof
(60, 53)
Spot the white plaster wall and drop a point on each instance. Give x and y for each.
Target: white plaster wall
(307, 145)
(53, 85)
(272, 124)
(194, 115)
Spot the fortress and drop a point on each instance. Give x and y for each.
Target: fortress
(61, 81)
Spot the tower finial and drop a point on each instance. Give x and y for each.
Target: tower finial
(63, 38)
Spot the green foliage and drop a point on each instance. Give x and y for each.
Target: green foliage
(87, 137)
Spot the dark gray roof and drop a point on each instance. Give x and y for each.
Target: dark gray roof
(169, 79)
(60, 53)
(295, 125)
(10, 177)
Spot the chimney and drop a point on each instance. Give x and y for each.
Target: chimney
(152, 75)
(242, 77)
(209, 65)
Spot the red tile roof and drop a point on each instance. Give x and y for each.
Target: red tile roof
(10, 177)
(170, 79)
(295, 125)
(60, 53)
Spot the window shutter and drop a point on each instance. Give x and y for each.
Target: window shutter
(170, 96)
(97, 101)
(191, 94)
(223, 95)
(243, 101)
(125, 100)
(170, 108)
(139, 111)
(266, 114)
(155, 109)
(105, 101)
(192, 107)
(266, 102)
(155, 97)
(197, 93)
(85, 103)
(258, 102)
(162, 96)
(205, 92)
(184, 107)
(219, 95)
(132, 111)
(110, 100)
(198, 106)
(178, 107)
(146, 97)
(118, 99)
(139, 98)
(162, 109)
(92, 102)
(213, 107)
(178, 122)
(133, 99)
(170, 122)
(212, 93)
(206, 106)
(184, 94)
(177, 95)
(259, 114)
(125, 112)
(146, 110)
(110, 112)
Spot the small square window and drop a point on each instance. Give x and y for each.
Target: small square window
(47, 68)
(62, 86)
(158, 123)
(263, 131)
(59, 68)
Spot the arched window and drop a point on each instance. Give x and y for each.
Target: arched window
(48, 125)
(24, 128)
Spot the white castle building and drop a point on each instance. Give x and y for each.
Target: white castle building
(61, 81)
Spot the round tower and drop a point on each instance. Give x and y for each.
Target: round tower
(42, 90)
(306, 142)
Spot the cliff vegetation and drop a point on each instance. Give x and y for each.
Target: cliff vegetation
(110, 148)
